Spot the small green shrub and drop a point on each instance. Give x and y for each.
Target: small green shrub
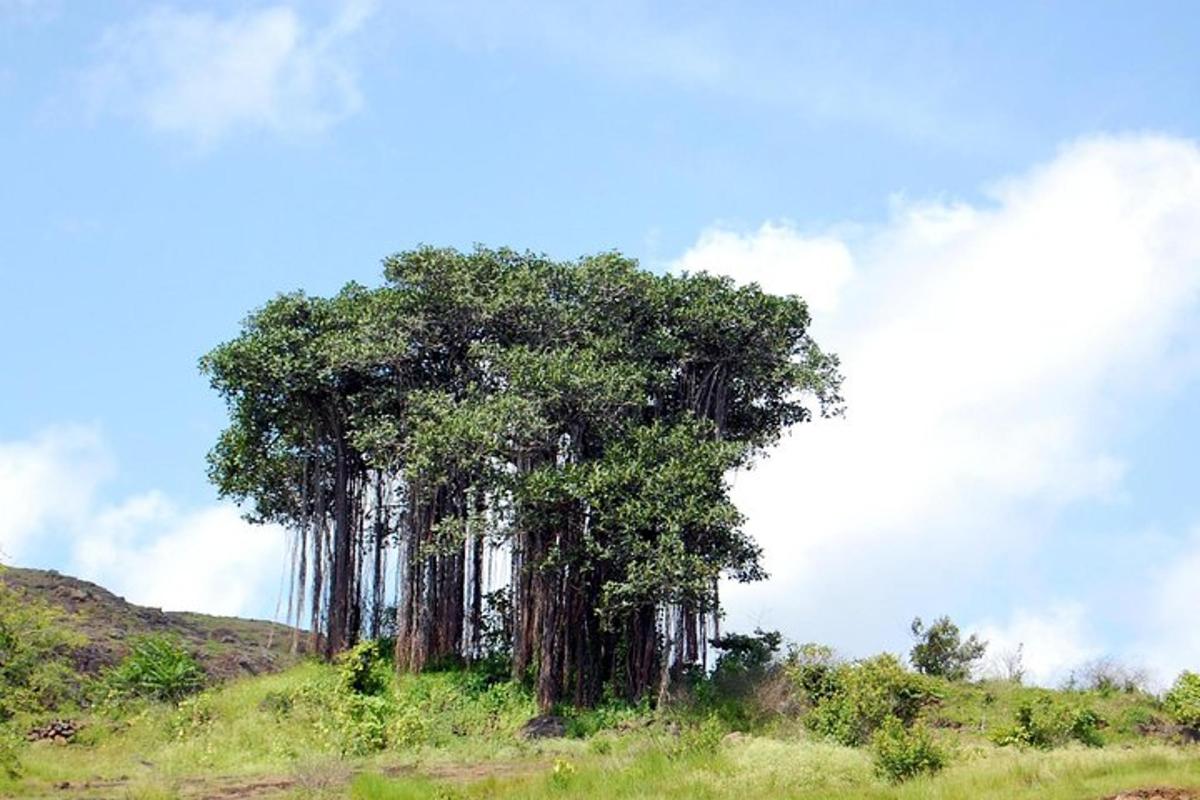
(902, 753)
(583, 723)
(814, 670)
(561, 773)
(157, 668)
(703, 739)
(408, 728)
(35, 674)
(1045, 723)
(1183, 701)
(867, 693)
(362, 669)
(193, 715)
(276, 703)
(362, 722)
(10, 746)
(940, 650)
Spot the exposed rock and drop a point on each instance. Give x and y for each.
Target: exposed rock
(546, 726)
(107, 625)
(59, 731)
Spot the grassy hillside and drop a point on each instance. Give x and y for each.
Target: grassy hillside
(103, 624)
(454, 734)
(357, 729)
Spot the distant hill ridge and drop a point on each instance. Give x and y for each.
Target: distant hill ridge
(226, 647)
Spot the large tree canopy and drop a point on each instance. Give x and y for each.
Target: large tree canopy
(537, 446)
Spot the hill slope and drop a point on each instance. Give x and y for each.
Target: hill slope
(226, 647)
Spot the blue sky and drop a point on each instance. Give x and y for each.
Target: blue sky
(994, 211)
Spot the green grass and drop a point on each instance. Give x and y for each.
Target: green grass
(977, 709)
(452, 735)
(802, 770)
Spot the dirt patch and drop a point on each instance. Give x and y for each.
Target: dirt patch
(232, 791)
(469, 773)
(1159, 793)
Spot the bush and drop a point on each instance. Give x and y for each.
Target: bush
(813, 669)
(363, 670)
(902, 753)
(703, 739)
(941, 651)
(35, 675)
(1108, 677)
(1046, 723)
(10, 745)
(1183, 701)
(157, 668)
(868, 693)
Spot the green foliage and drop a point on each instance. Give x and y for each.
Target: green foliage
(868, 693)
(905, 752)
(1183, 701)
(1047, 722)
(156, 668)
(702, 739)
(192, 715)
(35, 672)
(815, 671)
(561, 773)
(941, 651)
(10, 748)
(583, 413)
(397, 713)
(612, 712)
(363, 670)
(745, 654)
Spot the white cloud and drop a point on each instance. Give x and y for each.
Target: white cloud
(46, 482)
(1051, 643)
(992, 354)
(204, 77)
(778, 258)
(204, 560)
(1172, 639)
(145, 547)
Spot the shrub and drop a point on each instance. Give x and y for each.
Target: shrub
(1045, 723)
(34, 671)
(813, 669)
(868, 693)
(362, 722)
(941, 651)
(158, 668)
(193, 715)
(744, 654)
(10, 745)
(1183, 701)
(703, 739)
(902, 753)
(561, 773)
(408, 728)
(1108, 677)
(362, 669)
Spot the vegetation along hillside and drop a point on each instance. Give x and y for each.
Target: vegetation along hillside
(769, 721)
(505, 482)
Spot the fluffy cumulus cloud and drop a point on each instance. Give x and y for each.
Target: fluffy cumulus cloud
(48, 482)
(204, 77)
(1044, 645)
(1172, 638)
(990, 350)
(144, 547)
(772, 256)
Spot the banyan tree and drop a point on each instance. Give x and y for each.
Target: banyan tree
(498, 454)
